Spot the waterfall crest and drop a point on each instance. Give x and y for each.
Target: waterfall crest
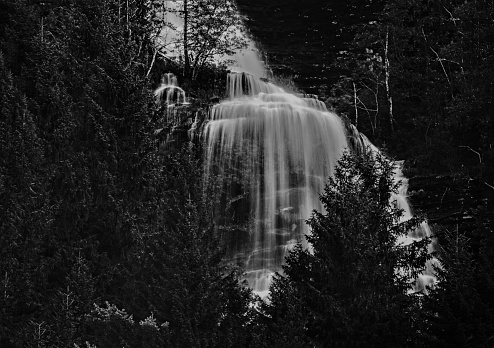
(169, 92)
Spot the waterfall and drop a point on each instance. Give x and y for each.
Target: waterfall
(169, 92)
(170, 96)
(176, 119)
(275, 151)
(358, 142)
(427, 278)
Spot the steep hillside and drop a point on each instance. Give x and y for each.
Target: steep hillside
(301, 39)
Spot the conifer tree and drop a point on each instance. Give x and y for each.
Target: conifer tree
(77, 160)
(189, 287)
(460, 309)
(25, 213)
(352, 284)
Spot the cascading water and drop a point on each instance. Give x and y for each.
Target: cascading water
(427, 277)
(170, 96)
(275, 152)
(169, 92)
(173, 103)
(359, 142)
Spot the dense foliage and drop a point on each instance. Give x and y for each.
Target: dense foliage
(103, 240)
(420, 80)
(353, 284)
(106, 241)
(210, 32)
(460, 312)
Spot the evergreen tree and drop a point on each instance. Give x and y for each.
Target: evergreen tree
(425, 66)
(460, 309)
(25, 213)
(78, 161)
(188, 286)
(353, 283)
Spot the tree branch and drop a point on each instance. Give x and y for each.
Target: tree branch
(469, 148)
(355, 103)
(152, 62)
(492, 187)
(438, 59)
(451, 15)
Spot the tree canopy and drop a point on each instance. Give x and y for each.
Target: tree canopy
(212, 32)
(353, 283)
(107, 240)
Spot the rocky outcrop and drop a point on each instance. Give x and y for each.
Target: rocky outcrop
(179, 126)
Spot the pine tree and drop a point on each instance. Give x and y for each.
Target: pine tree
(459, 311)
(25, 213)
(78, 160)
(352, 284)
(177, 271)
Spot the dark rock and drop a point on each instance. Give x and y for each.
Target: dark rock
(215, 99)
(455, 202)
(301, 40)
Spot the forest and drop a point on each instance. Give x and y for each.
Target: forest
(108, 231)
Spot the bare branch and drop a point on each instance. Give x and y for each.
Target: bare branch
(446, 190)
(442, 65)
(152, 62)
(451, 15)
(355, 103)
(478, 154)
(438, 58)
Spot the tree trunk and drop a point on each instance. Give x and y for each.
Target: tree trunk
(355, 104)
(42, 28)
(186, 49)
(388, 92)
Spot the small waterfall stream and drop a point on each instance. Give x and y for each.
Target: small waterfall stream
(169, 92)
(358, 142)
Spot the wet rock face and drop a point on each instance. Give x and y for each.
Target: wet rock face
(454, 202)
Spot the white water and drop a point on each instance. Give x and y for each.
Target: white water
(275, 151)
(249, 61)
(169, 92)
(172, 97)
(282, 150)
(427, 278)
